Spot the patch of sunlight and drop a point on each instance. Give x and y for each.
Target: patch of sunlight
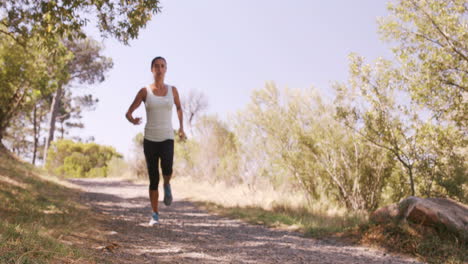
(173, 249)
(13, 182)
(52, 209)
(18, 229)
(54, 179)
(293, 227)
(231, 196)
(201, 256)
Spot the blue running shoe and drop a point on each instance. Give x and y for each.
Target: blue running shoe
(167, 195)
(154, 219)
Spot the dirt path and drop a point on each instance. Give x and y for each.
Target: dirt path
(189, 235)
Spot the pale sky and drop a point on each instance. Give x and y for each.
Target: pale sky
(227, 48)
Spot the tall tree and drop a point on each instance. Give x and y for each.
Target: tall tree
(31, 50)
(26, 76)
(416, 108)
(370, 107)
(292, 138)
(70, 111)
(431, 46)
(87, 66)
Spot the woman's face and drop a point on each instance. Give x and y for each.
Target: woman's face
(159, 68)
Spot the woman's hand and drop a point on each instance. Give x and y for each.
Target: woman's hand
(136, 121)
(140, 97)
(182, 134)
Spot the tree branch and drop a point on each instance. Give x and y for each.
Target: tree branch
(441, 32)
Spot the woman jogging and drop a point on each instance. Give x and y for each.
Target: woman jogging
(158, 141)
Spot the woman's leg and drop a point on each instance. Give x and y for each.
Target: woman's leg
(152, 162)
(167, 159)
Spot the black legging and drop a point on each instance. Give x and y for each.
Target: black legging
(155, 151)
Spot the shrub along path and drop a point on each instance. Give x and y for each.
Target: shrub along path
(187, 234)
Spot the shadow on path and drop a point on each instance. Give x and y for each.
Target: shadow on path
(187, 234)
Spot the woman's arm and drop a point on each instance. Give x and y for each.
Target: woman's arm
(140, 97)
(179, 112)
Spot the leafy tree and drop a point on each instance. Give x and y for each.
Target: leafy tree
(70, 110)
(216, 156)
(76, 159)
(292, 139)
(25, 77)
(26, 129)
(369, 107)
(87, 66)
(32, 50)
(186, 153)
(431, 39)
(417, 108)
(138, 161)
(25, 19)
(373, 105)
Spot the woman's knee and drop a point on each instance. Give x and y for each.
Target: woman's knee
(167, 171)
(154, 185)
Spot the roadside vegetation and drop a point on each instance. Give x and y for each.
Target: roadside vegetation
(41, 220)
(290, 211)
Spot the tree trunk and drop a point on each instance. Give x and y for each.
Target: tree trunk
(8, 112)
(410, 172)
(53, 116)
(62, 129)
(35, 131)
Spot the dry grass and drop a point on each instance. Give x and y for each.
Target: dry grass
(288, 210)
(40, 220)
(428, 244)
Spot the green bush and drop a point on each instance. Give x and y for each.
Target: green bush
(71, 159)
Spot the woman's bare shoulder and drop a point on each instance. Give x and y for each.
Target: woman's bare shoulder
(142, 93)
(142, 90)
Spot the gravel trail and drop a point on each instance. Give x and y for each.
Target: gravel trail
(187, 234)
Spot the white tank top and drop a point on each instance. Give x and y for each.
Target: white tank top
(159, 115)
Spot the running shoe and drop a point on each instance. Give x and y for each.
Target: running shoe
(154, 219)
(167, 195)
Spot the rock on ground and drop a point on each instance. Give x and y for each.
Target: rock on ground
(428, 212)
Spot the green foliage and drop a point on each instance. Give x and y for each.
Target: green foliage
(431, 39)
(43, 47)
(138, 164)
(431, 47)
(117, 167)
(217, 151)
(66, 19)
(26, 76)
(369, 106)
(292, 139)
(185, 153)
(81, 62)
(212, 155)
(76, 160)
